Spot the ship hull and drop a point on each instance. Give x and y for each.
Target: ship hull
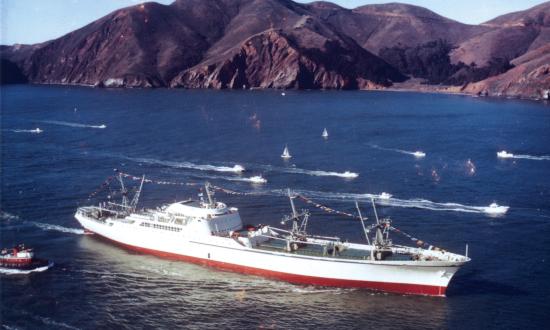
(227, 254)
(24, 265)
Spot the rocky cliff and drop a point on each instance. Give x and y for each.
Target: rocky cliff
(283, 44)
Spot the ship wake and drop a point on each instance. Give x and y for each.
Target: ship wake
(50, 227)
(346, 174)
(32, 131)
(505, 154)
(296, 170)
(417, 154)
(70, 124)
(11, 271)
(188, 165)
(386, 199)
(8, 216)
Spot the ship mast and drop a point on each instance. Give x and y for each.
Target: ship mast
(365, 230)
(209, 194)
(297, 228)
(123, 191)
(135, 200)
(382, 227)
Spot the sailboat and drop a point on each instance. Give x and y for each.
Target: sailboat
(286, 154)
(325, 133)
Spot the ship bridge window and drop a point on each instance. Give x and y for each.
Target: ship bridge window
(161, 227)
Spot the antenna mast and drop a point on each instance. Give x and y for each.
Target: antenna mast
(124, 191)
(209, 194)
(362, 222)
(374, 208)
(294, 213)
(135, 200)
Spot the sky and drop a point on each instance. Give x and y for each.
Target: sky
(34, 21)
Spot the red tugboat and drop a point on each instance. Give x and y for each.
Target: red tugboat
(20, 257)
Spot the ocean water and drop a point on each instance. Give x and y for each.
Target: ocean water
(194, 136)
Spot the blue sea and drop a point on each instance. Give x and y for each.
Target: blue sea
(188, 137)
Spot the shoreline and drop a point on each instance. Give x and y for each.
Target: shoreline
(424, 89)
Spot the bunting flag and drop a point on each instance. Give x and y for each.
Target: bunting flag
(419, 242)
(102, 187)
(326, 208)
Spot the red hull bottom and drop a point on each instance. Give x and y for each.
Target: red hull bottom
(416, 289)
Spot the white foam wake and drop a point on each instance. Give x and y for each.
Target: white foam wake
(8, 216)
(346, 174)
(387, 200)
(434, 206)
(11, 271)
(234, 169)
(417, 154)
(505, 154)
(253, 179)
(33, 131)
(69, 124)
(47, 226)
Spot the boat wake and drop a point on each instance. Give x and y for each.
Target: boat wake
(505, 154)
(253, 179)
(386, 199)
(12, 271)
(234, 169)
(417, 154)
(33, 131)
(296, 170)
(47, 226)
(8, 216)
(69, 124)
(346, 174)
(239, 169)
(492, 209)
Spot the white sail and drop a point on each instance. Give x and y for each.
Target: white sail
(286, 154)
(325, 133)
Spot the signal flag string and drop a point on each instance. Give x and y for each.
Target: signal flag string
(322, 207)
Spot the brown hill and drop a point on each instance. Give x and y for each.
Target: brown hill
(378, 26)
(510, 36)
(151, 45)
(283, 44)
(530, 78)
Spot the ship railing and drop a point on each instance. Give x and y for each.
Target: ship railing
(99, 212)
(333, 238)
(438, 254)
(323, 252)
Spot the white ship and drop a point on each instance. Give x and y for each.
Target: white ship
(325, 134)
(211, 233)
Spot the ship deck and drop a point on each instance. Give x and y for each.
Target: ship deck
(317, 250)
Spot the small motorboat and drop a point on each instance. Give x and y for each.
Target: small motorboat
(20, 257)
(504, 154)
(494, 208)
(286, 153)
(385, 195)
(325, 134)
(36, 130)
(257, 179)
(419, 154)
